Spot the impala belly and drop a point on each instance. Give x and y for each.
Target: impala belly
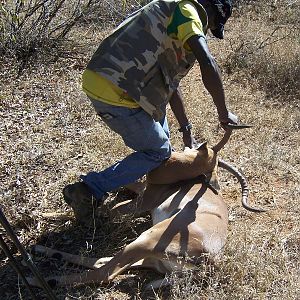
(206, 202)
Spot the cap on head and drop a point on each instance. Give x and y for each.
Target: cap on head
(223, 9)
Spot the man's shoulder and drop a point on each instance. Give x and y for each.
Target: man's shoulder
(190, 9)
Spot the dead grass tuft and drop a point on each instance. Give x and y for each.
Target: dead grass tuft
(265, 47)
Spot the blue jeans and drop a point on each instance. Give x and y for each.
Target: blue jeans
(140, 132)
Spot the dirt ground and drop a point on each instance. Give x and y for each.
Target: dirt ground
(49, 135)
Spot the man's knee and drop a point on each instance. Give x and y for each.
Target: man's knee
(161, 154)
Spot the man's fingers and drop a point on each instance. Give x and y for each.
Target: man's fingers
(231, 118)
(188, 140)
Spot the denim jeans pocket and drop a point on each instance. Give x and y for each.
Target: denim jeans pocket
(125, 121)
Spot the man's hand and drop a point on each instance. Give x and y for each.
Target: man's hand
(188, 139)
(230, 118)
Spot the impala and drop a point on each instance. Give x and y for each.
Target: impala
(190, 220)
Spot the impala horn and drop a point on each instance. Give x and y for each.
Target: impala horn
(223, 141)
(229, 127)
(243, 182)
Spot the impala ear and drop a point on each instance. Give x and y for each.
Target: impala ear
(202, 146)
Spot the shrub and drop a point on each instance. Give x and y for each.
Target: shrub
(29, 25)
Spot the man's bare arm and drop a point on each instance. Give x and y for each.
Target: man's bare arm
(178, 109)
(211, 76)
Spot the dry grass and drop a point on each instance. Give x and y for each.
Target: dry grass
(50, 135)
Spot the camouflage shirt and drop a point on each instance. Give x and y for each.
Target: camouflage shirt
(142, 59)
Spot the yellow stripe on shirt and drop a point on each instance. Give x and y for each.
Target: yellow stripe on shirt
(191, 28)
(186, 22)
(99, 88)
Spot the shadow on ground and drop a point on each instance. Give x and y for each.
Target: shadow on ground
(105, 239)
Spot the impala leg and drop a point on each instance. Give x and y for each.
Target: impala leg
(126, 207)
(88, 262)
(132, 255)
(105, 273)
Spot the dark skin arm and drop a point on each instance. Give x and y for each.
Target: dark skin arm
(212, 81)
(211, 77)
(177, 107)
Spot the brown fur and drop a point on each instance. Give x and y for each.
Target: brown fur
(184, 165)
(189, 221)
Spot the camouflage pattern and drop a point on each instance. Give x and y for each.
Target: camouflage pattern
(142, 59)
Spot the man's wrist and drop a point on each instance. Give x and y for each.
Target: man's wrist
(185, 128)
(223, 114)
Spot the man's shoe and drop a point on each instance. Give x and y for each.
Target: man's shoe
(82, 201)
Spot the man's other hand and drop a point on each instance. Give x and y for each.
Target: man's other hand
(189, 140)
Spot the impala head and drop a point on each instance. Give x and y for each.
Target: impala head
(202, 157)
(210, 154)
(206, 158)
(204, 162)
